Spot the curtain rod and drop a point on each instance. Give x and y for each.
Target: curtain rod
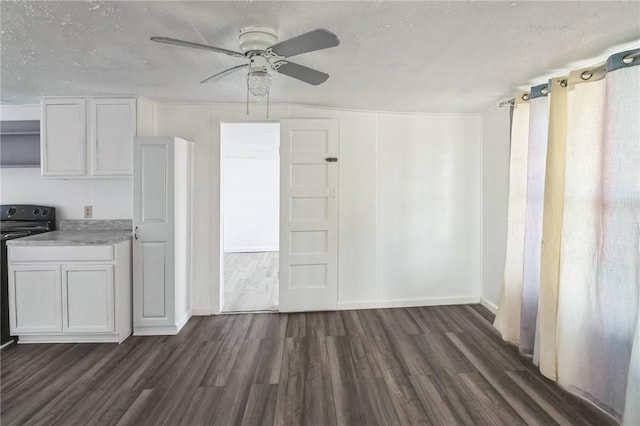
(508, 102)
(615, 61)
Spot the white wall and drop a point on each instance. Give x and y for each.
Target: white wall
(110, 198)
(428, 203)
(495, 191)
(251, 186)
(409, 213)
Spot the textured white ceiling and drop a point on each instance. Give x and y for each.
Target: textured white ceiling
(394, 56)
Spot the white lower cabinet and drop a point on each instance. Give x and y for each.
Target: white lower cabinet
(70, 301)
(87, 299)
(34, 297)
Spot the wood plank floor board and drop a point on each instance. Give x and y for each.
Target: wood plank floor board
(441, 405)
(49, 381)
(487, 340)
(494, 409)
(364, 402)
(261, 405)
(203, 407)
(434, 366)
(221, 366)
(35, 359)
(352, 324)
(555, 400)
(177, 394)
(318, 367)
(405, 399)
(137, 409)
(319, 403)
(516, 397)
(441, 354)
(290, 401)
(297, 325)
(351, 359)
(397, 353)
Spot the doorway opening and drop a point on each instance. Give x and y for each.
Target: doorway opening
(250, 216)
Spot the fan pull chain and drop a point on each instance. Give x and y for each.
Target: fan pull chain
(247, 99)
(248, 74)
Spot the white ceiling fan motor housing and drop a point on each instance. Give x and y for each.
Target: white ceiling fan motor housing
(257, 39)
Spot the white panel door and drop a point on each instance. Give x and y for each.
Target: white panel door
(88, 298)
(63, 136)
(112, 127)
(35, 299)
(153, 219)
(308, 215)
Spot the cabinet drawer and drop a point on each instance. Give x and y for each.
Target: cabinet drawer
(60, 253)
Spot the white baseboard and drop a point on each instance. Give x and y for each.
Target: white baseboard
(165, 330)
(66, 338)
(183, 321)
(489, 305)
(201, 311)
(168, 330)
(250, 249)
(407, 303)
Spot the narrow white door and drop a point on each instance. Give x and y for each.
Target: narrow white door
(308, 215)
(153, 219)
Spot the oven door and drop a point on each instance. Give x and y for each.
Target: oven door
(5, 337)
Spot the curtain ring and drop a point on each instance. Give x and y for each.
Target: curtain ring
(586, 75)
(563, 83)
(525, 97)
(628, 59)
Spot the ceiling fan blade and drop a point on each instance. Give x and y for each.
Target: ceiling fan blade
(302, 73)
(307, 42)
(184, 43)
(224, 73)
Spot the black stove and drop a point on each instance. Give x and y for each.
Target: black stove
(16, 221)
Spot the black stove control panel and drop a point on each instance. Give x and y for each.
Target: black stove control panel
(27, 212)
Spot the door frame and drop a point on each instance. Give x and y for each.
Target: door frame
(217, 294)
(216, 240)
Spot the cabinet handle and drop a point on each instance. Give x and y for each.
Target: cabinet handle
(135, 233)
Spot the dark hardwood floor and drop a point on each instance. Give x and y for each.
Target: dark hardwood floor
(434, 365)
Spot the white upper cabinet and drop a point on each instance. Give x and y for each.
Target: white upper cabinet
(64, 137)
(112, 127)
(87, 137)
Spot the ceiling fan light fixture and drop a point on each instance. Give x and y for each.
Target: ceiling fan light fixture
(259, 83)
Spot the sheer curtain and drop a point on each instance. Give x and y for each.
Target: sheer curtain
(581, 269)
(508, 317)
(536, 166)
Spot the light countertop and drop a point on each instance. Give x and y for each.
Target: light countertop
(73, 238)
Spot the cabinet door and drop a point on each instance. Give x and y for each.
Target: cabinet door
(35, 299)
(87, 298)
(153, 217)
(63, 137)
(112, 127)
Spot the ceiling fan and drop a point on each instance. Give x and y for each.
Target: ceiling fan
(260, 46)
